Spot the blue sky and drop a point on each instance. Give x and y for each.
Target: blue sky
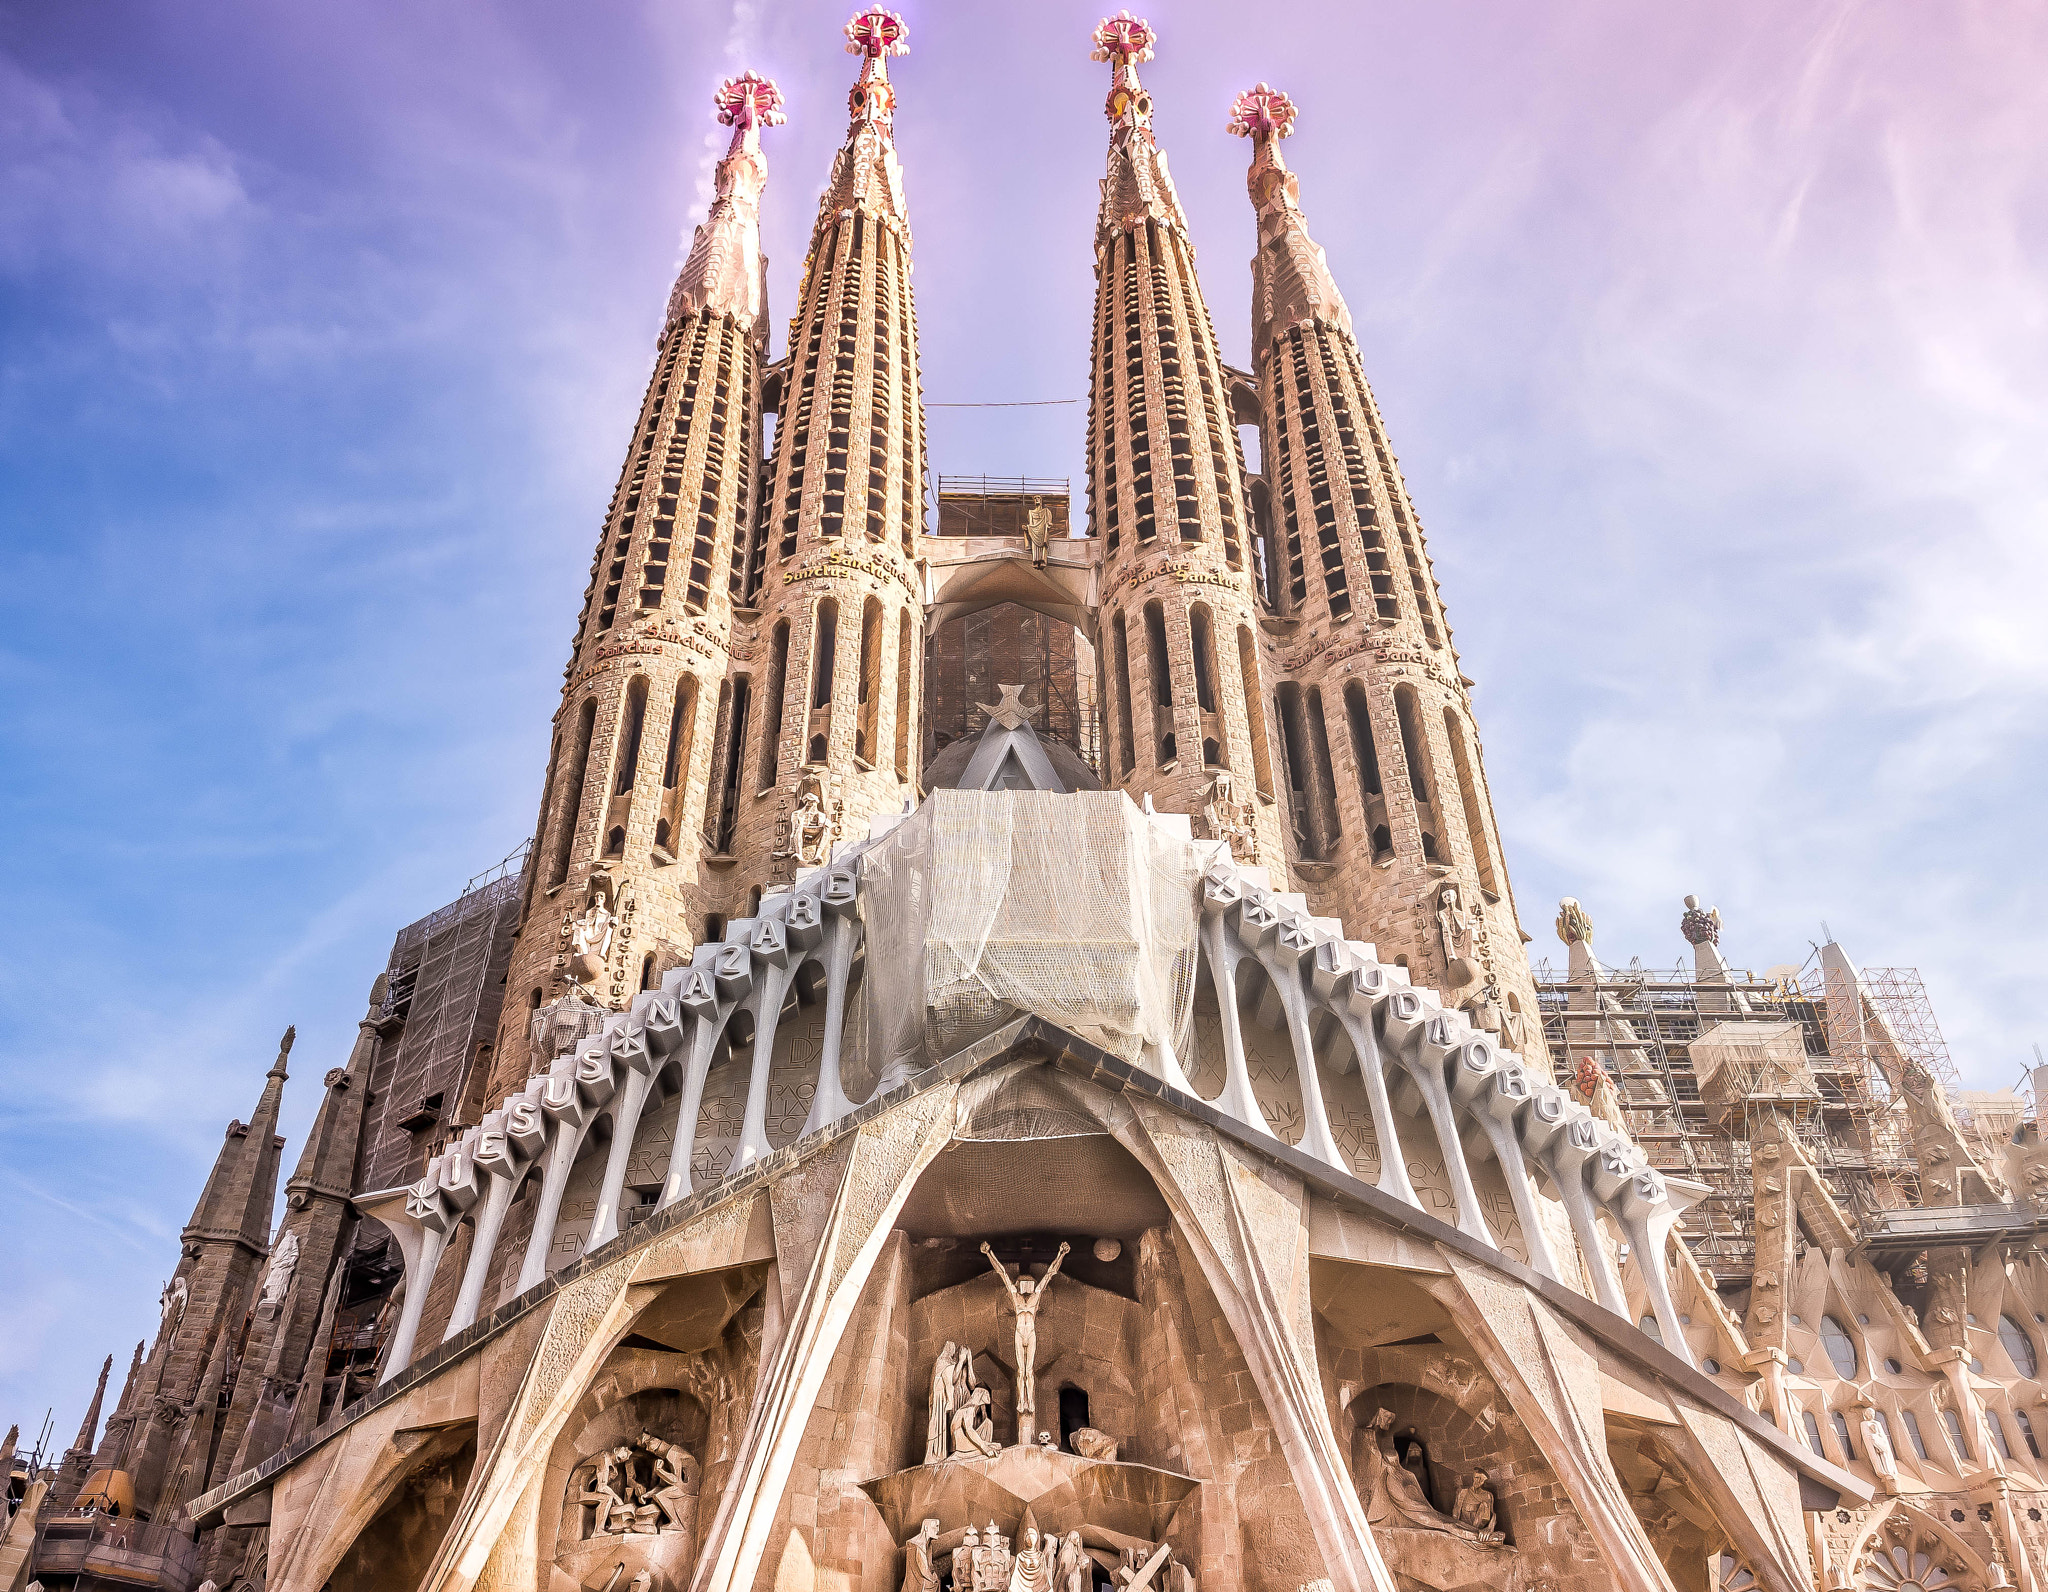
(1714, 338)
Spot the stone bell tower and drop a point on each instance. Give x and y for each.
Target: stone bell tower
(617, 883)
(1182, 697)
(1392, 826)
(824, 731)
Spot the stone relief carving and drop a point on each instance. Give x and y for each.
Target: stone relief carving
(952, 1383)
(642, 1488)
(1394, 1497)
(1229, 819)
(812, 824)
(284, 1261)
(1025, 1298)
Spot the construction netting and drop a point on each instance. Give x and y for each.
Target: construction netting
(985, 904)
(1753, 1063)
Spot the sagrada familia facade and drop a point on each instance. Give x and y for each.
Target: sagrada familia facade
(833, 1161)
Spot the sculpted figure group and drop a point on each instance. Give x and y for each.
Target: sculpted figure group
(643, 1487)
(982, 1560)
(1393, 1482)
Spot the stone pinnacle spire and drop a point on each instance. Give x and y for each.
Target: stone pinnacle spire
(1291, 282)
(71, 1473)
(1137, 186)
(238, 1196)
(726, 273)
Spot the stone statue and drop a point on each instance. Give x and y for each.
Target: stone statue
(1392, 1495)
(1091, 1444)
(918, 1572)
(675, 1479)
(1415, 1461)
(1452, 925)
(1475, 1508)
(1073, 1570)
(809, 829)
(1025, 1298)
(1038, 530)
(1700, 926)
(952, 1377)
(172, 1303)
(284, 1260)
(974, 1429)
(991, 1570)
(599, 1496)
(1573, 926)
(1229, 819)
(1877, 1444)
(590, 940)
(1029, 1571)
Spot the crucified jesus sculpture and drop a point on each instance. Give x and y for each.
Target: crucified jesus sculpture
(1025, 1297)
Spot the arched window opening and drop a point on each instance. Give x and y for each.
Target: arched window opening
(771, 717)
(818, 749)
(2019, 1348)
(1073, 1414)
(1324, 791)
(615, 841)
(566, 818)
(1841, 1348)
(1205, 658)
(1309, 837)
(629, 743)
(1841, 1425)
(1120, 684)
(870, 699)
(729, 758)
(682, 732)
(905, 632)
(647, 971)
(824, 653)
(1365, 755)
(754, 902)
(1255, 710)
(1212, 754)
(714, 927)
(1162, 683)
(533, 1000)
(1421, 781)
(1475, 810)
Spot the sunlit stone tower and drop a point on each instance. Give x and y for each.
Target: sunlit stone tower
(625, 818)
(1180, 657)
(826, 714)
(1393, 829)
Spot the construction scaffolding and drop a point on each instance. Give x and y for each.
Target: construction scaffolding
(1696, 1065)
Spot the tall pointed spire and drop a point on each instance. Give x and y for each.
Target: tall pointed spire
(831, 711)
(1184, 705)
(71, 1474)
(1384, 773)
(625, 796)
(726, 273)
(238, 1197)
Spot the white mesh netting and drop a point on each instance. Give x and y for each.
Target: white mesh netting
(983, 904)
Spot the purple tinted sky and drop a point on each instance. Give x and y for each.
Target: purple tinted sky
(1714, 337)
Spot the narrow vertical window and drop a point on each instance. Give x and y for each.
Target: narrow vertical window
(735, 759)
(1255, 710)
(1475, 811)
(1365, 753)
(647, 971)
(1954, 1423)
(905, 634)
(1295, 752)
(1324, 791)
(572, 804)
(633, 725)
(1421, 785)
(1162, 683)
(1127, 741)
(870, 700)
(1205, 658)
(771, 718)
(824, 653)
(675, 785)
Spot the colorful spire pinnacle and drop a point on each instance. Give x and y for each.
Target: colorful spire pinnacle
(1125, 40)
(1261, 111)
(724, 271)
(875, 35)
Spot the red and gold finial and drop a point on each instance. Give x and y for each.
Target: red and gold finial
(876, 32)
(1124, 41)
(1261, 112)
(749, 101)
(874, 36)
